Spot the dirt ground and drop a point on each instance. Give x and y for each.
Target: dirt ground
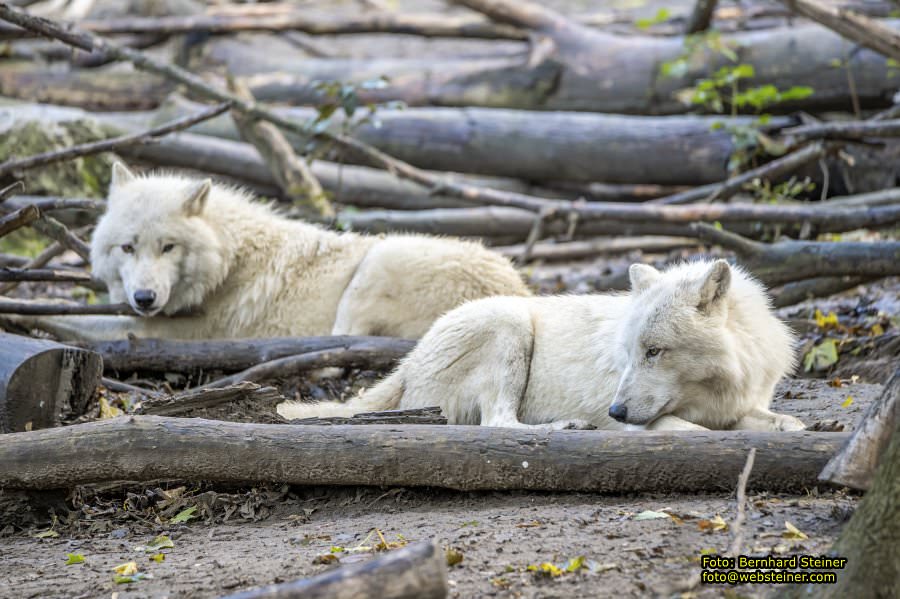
(245, 537)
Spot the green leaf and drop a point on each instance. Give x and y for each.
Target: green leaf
(821, 357)
(74, 558)
(161, 542)
(798, 92)
(184, 515)
(575, 564)
(661, 16)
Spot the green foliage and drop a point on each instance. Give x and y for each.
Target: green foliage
(661, 16)
(792, 189)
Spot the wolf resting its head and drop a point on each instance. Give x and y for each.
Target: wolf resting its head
(697, 337)
(153, 247)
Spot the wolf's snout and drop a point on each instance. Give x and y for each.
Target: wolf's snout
(618, 412)
(144, 298)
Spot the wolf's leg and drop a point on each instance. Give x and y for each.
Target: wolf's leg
(760, 419)
(673, 423)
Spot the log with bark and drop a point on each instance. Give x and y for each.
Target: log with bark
(41, 382)
(432, 415)
(169, 355)
(869, 539)
(457, 457)
(593, 71)
(417, 571)
(857, 462)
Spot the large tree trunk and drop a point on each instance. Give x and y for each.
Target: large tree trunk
(42, 381)
(593, 71)
(455, 457)
(871, 538)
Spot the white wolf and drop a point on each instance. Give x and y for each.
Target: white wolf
(169, 244)
(696, 346)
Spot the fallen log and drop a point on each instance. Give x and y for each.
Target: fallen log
(455, 457)
(417, 571)
(575, 250)
(183, 404)
(36, 308)
(578, 74)
(535, 146)
(169, 355)
(41, 382)
(856, 27)
(46, 274)
(855, 465)
(786, 261)
(799, 291)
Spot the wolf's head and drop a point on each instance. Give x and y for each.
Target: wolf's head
(153, 247)
(674, 342)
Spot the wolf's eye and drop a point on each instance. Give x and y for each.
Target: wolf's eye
(128, 248)
(653, 352)
(168, 248)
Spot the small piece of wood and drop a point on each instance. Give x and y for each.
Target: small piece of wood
(43, 381)
(454, 457)
(201, 399)
(229, 355)
(417, 571)
(856, 463)
(18, 219)
(432, 415)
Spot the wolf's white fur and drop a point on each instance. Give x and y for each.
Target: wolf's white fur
(564, 361)
(248, 272)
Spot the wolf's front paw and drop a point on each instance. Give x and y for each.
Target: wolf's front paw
(783, 422)
(574, 425)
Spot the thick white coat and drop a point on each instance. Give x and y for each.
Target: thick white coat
(224, 266)
(694, 347)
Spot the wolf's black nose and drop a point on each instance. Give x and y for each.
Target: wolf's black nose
(144, 298)
(618, 412)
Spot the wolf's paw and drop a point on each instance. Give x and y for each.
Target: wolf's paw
(573, 425)
(785, 423)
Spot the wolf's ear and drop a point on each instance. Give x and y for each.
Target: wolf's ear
(642, 276)
(120, 175)
(197, 196)
(715, 285)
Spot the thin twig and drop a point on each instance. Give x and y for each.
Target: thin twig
(49, 275)
(9, 189)
(737, 527)
(108, 145)
(50, 252)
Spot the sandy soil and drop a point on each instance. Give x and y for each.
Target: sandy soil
(247, 537)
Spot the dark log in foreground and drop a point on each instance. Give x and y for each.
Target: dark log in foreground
(794, 293)
(29, 308)
(42, 381)
(857, 462)
(167, 355)
(417, 571)
(454, 457)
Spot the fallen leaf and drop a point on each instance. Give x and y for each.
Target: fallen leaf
(575, 564)
(713, 524)
(651, 515)
(184, 515)
(545, 569)
(847, 402)
(326, 558)
(136, 577)
(792, 532)
(74, 558)
(454, 557)
(126, 569)
(823, 321)
(159, 557)
(821, 356)
(47, 534)
(836, 382)
(877, 330)
(108, 411)
(159, 542)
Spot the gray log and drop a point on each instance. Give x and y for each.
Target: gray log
(454, 457)
(42, 381)
(417, 571)
(168, 355)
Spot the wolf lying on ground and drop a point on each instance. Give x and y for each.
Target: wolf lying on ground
(169, 244)
(693, 347)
